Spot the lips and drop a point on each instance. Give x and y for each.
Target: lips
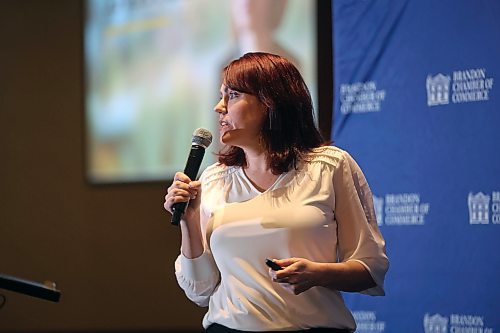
(223, 124)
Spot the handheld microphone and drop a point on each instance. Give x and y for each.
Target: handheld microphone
(202, 138)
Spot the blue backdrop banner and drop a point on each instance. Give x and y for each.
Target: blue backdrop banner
(416, 104)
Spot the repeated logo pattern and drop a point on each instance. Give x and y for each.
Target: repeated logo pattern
(400, 209)
(462, 86)
(455, 323)
(480, 210)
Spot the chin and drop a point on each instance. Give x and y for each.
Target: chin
(225, 138)
(232, 137)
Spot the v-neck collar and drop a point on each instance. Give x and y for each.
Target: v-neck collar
(254, 188)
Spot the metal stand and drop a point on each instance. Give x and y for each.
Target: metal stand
(45, 290)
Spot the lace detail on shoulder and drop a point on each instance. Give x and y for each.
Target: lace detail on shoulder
(215, 172)
(327, 154)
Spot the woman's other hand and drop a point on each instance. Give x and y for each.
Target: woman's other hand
(297, 275)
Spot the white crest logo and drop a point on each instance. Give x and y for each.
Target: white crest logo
(438, 89)
(479, 208)
(379, 209)
(435, 323)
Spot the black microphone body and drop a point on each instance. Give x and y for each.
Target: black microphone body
(201, 139)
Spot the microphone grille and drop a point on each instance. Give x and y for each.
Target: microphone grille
(202, 137)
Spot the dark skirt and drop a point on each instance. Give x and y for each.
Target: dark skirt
(217, 328)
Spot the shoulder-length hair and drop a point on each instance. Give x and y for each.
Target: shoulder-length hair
(288, 131)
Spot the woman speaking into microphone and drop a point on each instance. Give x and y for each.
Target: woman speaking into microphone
(277, 192)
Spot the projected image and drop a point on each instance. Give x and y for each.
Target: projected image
(153, 74)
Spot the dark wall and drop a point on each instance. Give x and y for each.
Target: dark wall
(109, 248)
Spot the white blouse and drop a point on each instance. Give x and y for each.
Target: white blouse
(323, 211)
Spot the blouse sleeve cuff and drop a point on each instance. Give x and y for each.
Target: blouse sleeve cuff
(201, 268)
(378, 290)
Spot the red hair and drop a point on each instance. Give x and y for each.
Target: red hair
(289, 130)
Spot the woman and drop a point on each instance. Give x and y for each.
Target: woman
(276, 192)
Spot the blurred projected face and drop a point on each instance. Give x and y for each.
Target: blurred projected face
(256, 15)
(241, 117)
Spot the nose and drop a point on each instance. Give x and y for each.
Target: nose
(221, 107)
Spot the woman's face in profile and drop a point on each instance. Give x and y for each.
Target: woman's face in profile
(241, 117)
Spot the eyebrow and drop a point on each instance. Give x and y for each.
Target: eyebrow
(227, 90)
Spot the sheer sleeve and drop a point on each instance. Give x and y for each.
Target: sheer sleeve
(198, 277)
(359, 237)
